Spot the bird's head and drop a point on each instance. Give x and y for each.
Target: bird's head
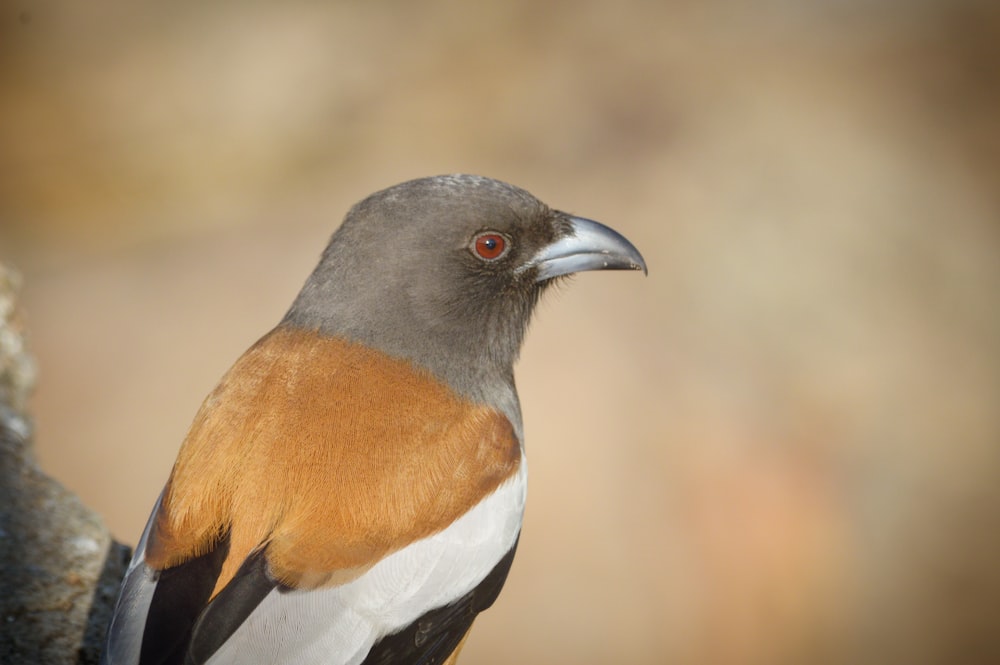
(445, 272)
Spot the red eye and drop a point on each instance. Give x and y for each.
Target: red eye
(490, 246)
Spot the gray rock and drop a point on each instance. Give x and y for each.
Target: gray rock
(59, 566)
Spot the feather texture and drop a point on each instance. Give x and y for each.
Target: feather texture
(327, 496)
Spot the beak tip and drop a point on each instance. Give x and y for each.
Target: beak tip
(635, 261)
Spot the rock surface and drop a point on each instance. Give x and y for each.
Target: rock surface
(59, 567)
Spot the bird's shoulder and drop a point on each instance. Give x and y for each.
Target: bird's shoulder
(331, 453)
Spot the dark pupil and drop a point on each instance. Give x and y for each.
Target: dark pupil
(490, 243)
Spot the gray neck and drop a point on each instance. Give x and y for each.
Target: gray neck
(474, 366)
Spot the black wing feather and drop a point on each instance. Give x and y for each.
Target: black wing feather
(180, 595)
(230, 608)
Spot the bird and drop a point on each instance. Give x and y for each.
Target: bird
(352, 491)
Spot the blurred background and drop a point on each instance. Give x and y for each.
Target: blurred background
(783, 446)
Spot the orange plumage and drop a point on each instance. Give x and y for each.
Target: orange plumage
(331, 454)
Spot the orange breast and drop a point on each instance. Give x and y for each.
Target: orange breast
(331, 453)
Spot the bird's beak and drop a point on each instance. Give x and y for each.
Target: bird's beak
(589, 246)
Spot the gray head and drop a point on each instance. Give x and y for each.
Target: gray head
(445, 272)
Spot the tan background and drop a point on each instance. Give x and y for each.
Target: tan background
(783, 446)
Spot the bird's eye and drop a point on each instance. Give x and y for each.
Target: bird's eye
(489, 245)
